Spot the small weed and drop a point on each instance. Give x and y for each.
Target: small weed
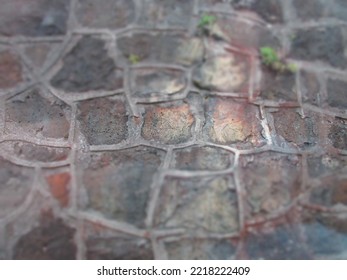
(270, 58)
(206, 20)
(133, 58)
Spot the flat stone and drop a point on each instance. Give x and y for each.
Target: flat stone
(164, 47)
(117, 184)
(10, 70)
(103, 121)
(51, 240)
(337, 93)
(317, 9)
(34, 17)
(298, 131)
(35, 153)
(88, 67)
(338, 133)
(202, 158)
(207, 204)
(281, 243)
(229, 121)
(105, 13)
(269, 10)
(169, 13)
(59, 187)
(15, 185)
(147, 81)
(168, 125)
(225, 73)
(201, 249)
(271, 180)
(325, 44)
(310, 87)
(32, 113)
(322, 165)
(277, 86)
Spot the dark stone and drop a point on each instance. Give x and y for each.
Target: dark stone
(310, 87)
(333, 191)
(338, 134)
(269, 10)
(322, 165)
(34, 17)
(321, 43)
(52, 240)
(10, 70)
(337, 92)
(88, 67)
(103, 121)
(99, 248)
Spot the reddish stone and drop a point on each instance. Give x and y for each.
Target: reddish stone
(10, 70)
(58, 184)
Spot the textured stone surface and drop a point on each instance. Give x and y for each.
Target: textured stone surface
(10, 70)
(207, 204)
(169, 125)
(105, 13)
(116, 181)
(59, 187)
(202, 158)
(337, 91)
(321, 165)
(103, 121)
(338, 133)
(310, 87)
(32, 113)
(229, 121)
(88, 67)
(34, 17)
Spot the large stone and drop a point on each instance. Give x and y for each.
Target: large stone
(310, 87)
(88, 67)
(10, 70)
(103, 121)
(337, 92)
(199, 204)
(34, 17)
(32, 113)
(117, 184)
(105, 13)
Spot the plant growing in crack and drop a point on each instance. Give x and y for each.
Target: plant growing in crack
(206, 21)
(271, 59)
(133, 58)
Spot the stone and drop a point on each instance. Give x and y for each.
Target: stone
(337, 134)
(310, 87)
(15, 186)
(294, 129)
(322, 165)
(51, 240)
(277, 86)
(34, 17)
(337, 91)
(88, 67)
(59, 187)
(147, 81)
(10, 70)
(325, 44)
(229, 121)
(38, 53)
(168, 125)
(103, 121)
(269, 10)
(117, 184)
(164, 47)
(35, 153)
(225, 73)
(201, 158)
(32, 113)
(201, 249)
(199, 204)
(281, 243)
(271, 180)
(105, 13)
(169, 13)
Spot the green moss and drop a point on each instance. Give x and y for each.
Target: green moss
(133, 58)
(206, 20)
(270, 58)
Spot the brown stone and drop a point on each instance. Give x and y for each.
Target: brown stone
(10, 70)
(58, 184)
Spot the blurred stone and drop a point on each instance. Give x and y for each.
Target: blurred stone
(10, 70)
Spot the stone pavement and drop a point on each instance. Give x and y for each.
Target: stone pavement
(152, 129)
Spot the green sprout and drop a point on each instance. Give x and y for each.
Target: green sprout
(270, 58)
(133, 58)
(206, 20)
